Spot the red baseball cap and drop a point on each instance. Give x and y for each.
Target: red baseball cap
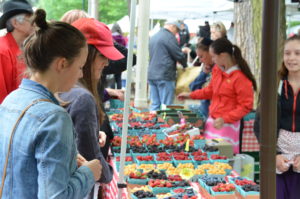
(98, 35)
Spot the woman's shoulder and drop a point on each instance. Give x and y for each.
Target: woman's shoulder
(216, 69)
(78, 98)
(44, 110)
(75, 94)
(237, 74)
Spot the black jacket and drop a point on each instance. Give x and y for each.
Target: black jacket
(118, 66)
(288, 110)
(184, 37)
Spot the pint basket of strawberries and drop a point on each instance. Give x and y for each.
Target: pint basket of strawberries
(223, 189)
(218, 158)
(163, 157)
(160, 186)
(138, 177)
(128, 160)
(148, 159)
(199, 141)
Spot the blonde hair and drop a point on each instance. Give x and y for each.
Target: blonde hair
(219, 27)
(72, 15)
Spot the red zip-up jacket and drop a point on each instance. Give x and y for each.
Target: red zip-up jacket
(231, 94)
(11, 65)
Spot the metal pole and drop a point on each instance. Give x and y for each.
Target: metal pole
(121, 183)
(152, 24)
(93, 8)
(268, 127)
(140, 100)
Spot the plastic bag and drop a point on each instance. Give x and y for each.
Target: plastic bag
(244, 165)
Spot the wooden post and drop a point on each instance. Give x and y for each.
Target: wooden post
(268, 123)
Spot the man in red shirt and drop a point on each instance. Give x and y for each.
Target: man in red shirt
(16, 19)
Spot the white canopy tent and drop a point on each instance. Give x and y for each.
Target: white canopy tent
(292, 11)
(190, 9)
(192, 12)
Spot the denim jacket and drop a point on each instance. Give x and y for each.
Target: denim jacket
(42, 162)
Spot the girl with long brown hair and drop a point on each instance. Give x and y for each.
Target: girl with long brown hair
(84, 103)
(288, 147)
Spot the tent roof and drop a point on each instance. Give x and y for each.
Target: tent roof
(190, 9)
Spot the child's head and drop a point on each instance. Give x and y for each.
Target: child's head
(48, 52)
(291, 56)
(222, 51)
(203, 51)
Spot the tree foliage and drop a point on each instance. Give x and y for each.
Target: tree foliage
(293, 23)
(109, 11)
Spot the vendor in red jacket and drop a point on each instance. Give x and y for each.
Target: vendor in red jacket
(16, 18)
(231, 92)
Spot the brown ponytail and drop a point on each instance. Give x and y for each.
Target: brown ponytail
(40, 19)
(237, 54)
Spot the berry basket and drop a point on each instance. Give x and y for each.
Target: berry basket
(115, 104)
(199, 144)
(137, 181)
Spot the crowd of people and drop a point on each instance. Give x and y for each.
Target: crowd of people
(56, 136)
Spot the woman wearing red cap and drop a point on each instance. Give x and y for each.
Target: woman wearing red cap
(84, 103)
(105, 94)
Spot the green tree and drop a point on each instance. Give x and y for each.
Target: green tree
(248, 27)
(109, 11)
(55, 9)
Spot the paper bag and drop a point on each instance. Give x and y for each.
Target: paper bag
(185, 77)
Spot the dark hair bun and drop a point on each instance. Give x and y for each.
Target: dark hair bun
(40, 19)
(206, 41)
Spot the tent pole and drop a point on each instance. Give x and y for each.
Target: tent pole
(93, 8)
(141, 100)
(121, 183)
(268, 127)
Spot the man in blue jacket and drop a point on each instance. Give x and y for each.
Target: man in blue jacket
(164, 53)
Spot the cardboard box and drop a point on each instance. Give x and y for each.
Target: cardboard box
(224, 147)
(239, 196)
